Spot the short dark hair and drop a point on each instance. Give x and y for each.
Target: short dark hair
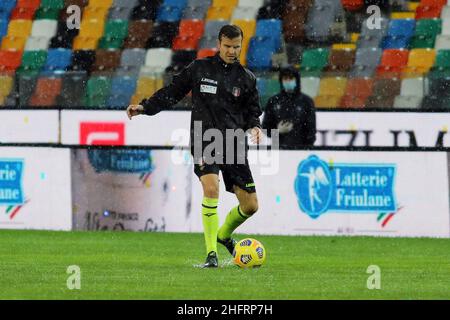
(230, 31)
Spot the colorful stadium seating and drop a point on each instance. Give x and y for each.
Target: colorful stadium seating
(126, 47)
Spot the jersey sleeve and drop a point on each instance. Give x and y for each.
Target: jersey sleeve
(168, 96)
(253, 107)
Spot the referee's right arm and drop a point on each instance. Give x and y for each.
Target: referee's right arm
(165, 97)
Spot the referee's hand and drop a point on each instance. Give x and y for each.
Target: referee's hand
(256, 135)
(134, 110)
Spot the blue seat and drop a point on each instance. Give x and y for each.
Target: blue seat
(118, 100)
(175, 3)
(395, 42)
(4, 14)
(58, 59)
(169, 14)
(401, 28)
(123, 85)
(260, 53)
(3, 27)
(7, 5)
(270, 28)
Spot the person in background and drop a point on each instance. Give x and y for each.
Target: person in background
(291, 112)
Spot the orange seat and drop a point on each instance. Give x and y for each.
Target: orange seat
(359, 87)
(393, 60)
(350, 101)
(185, 43)
(10, 59)
(191, 28)
(207, 52)
(48, 86)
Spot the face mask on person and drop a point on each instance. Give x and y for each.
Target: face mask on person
(289, 85)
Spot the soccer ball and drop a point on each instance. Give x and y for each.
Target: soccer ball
(249, 253)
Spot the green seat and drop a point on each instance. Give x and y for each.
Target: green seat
(95, 101)
(33, 60)
(117, 29)
(110, 43)
(55, 4)
(47, 13)
(98, 86)
(425, 33)
(422, 42)
(314, 60)
(428, 27)
(271, 88)
(442, 59)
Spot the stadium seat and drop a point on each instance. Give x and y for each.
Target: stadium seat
(97, 91)
(37, 43)
(410, 102)
(442, 61)
(44, 28)
(332, 86)
(428, 12)
(133, 57)
(351, 101)
(244, 13)
(386, 87)
(85, 43)
(442, 42)
(366, 62)
(420, 61)
(73, 89)
(6, 84)
(393, 61)
(21, 13)
(100, 3)
(125, 3)
(250, 3)
(310, 86)
(313, 61)
(82, 60)
(381, 102)
(340, 62)
(195, 13)
(163, 34)
(33, 60)
(206, 52)
(7, 5)
(359, 87)
(321, 18)
(169, 13)
(412, 87)
(146, 86)
(120, 13)
(58, 59)
(10, 59)
(219, 13)
(19, 28)
(328, 101)
(13, 43)
(54, 4)
(260, 52)
(92, 28)
(446, 27)
(106, 60)
(158, 59)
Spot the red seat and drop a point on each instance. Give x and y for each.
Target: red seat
(428, 12)
(10, 59)
(22, 13)
(42, 100)
(352, 5)
(203, 53)
(393, 61)
(351, 101)
(439, 3)
(191, 28)
(359, 87)
(28, 4)
(48, 86)
(185, 43)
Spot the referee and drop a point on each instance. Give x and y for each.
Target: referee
(225, 98)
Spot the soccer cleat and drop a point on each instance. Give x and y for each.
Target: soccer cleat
(229, 243)
(211, 260)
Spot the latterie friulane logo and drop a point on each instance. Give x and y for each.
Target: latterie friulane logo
(345, 187)
(121, 160)
(11, 175)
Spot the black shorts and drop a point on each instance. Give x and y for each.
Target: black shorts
(233, 174)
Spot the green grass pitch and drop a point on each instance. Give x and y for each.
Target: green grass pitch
(133, 265)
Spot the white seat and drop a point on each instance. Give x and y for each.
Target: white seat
(442, 42)
(251, 3)
(249, 13)
(412, 102)
(44, 28)
(310, 86)
(445, 13)
(412, 87)
(446, 26)
(158, 59)
(37, 43)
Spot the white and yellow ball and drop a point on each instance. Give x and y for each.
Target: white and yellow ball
(249, 253)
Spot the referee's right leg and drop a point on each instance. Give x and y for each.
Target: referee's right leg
(210, 218)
